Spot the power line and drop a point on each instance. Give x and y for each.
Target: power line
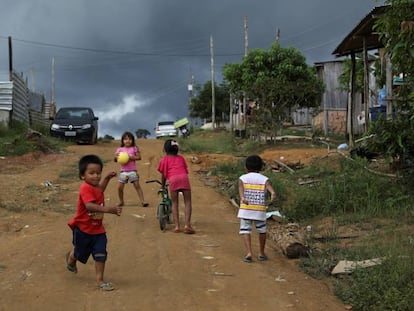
(67, 47)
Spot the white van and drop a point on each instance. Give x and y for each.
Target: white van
(165, 129)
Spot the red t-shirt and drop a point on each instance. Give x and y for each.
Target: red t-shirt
(86, 221)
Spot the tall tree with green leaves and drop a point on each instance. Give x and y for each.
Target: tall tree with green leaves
(345, 76)
(201, 103)
(278, 79)
(142, 133)
(395, 137)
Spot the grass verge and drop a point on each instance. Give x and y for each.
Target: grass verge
(356, 215)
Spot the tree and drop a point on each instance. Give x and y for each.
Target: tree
(345, 76)
(278, 79)
(108, 137)
(395, 137)
(142, 133)
(200, 106)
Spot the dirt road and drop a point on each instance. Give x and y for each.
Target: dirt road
(151, 270)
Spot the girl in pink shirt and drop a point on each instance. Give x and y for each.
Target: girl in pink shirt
(173, 169)
(128, 171)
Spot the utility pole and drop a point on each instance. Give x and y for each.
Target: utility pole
(388, 81)
(190, 89)
(246, 37)
(351, 103)
(10, 59)
(231, 113)
(52, 109)
(246, 48)
(213, 101)
(10, 77)
(366, 84)
(33, 79)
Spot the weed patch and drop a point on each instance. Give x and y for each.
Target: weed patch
(369, 215)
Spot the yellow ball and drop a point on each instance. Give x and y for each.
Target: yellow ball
(123, 158)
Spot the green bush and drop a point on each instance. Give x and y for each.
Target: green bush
(351, 190)
(388, 286)
(14, 141)
(218, 141)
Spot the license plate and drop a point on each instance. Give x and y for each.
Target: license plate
(70, 133)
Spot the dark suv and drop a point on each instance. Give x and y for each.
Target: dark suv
(75, 123)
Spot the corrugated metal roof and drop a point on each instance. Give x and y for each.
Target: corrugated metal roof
(353, 42)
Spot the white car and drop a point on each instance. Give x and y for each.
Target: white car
(165, 129)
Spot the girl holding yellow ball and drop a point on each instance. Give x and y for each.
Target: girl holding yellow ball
(126, 155)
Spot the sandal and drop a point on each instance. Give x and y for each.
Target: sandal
(177, 230)
(106, 287)
(248, 259)
(189, 230)
(71, 268)
(262, 258)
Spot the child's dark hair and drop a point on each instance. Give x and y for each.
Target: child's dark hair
(130, 135)
(254, 163)
(86, 160)
(171, 147)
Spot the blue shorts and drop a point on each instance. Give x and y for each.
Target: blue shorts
(246, 226)
(87, 244)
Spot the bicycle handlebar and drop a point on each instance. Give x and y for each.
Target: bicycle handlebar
(154, 180)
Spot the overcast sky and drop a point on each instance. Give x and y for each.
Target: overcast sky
(132, 60)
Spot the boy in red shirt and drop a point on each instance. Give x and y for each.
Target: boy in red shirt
(89, 235)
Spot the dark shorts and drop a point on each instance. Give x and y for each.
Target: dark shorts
(87, 244)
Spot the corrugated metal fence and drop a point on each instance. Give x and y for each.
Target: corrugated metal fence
(6, 97)
(17, 105)
(20, 103)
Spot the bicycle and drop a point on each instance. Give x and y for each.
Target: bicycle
(164, 211)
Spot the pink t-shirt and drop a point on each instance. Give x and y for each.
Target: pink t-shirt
(171, 165)
(174, 168)
(130, 165)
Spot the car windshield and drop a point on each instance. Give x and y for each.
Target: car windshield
(73, 113)
(166, 123)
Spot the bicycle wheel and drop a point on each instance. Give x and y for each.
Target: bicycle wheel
(161, 216)
(170, 219)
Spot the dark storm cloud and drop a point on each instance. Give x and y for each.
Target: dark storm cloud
(132, 60)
